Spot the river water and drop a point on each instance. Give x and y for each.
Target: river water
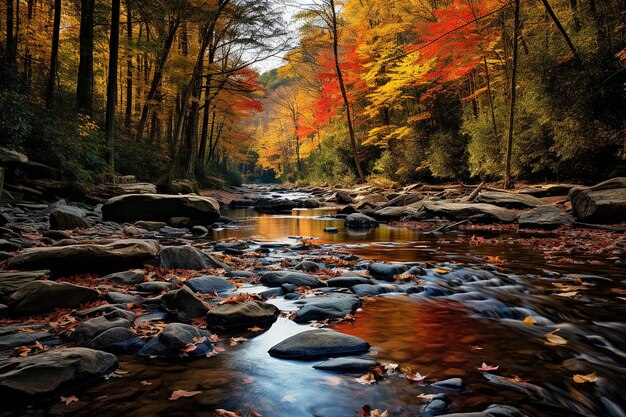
(446, 333)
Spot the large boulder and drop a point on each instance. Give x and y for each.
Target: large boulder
(161, 207)
(67, 218)
(187, 257)
(88, 257)
(278, 278)
(544, 217)
(12, 281)
(314, 344)
(117, 340)
(360, 221)
(601, 203)
(174, 340)
(321, 308)
(89, 329)
(39, 297)
(509, 200)
(462, 211)
(186, 304)
(52, 372)
(386, 272)
(246, 314)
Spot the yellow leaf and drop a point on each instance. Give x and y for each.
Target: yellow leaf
(181, 393)
(554, 339)
(530, 321)
(581, 379)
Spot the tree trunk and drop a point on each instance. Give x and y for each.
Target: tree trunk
(344, 94)
(9, 51)
(54, 54)
(509, 148)
(490, 97)
(109, 125)
(158, 75)
(84, 85)
(129, 67)
(562, 31)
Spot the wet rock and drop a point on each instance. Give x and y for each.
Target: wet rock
(13, 339)
(280, 205)
(9, 246)
(395, 213)
(117, 297)
(497, 410)
(119, 255)
(278, 278)
(222, 246)
(363, 290)
(57, 234)
(331, 230)
(544, 217)
(133, 277)
(452, 384)
(348, 281)
(89, 329)
(341, 197)
(117, 340)
(209, 285)
(186, 304)
(509, 200)
(321, 308)
(602, 203)
(150, 226)
(534, 392)
(346, 365)
(307, 266)
(199, 231)
(12, 281)
(39, 297)
(52, 372)
(319, 343)
(174, 338)
(67, 218)
(360, 221)
(436, 407)
(187, 257)
(110, 311)
(386, 272)
(154, 287)
(161, 207)
(462, 211)
(246, 314)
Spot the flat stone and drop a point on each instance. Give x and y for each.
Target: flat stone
(363, 290)
(313, 344)
(386, 272)
(89, 257)
(187, 257)
(395, 213)
(12, 281)
(544, 217)
(133, 277)
(462, 211)
(249, 313)
(321, 308)
(174, 338)
(150, 226)
(307, 266)
(209, 285)
(52, 372)
(278, 278)
(346, 365)
(451, 383)
(161, 207)
(509, 200)
(154, 287)
(117, 297)
(39, 297)
(348, 281)
(110, 311)
(15, 339)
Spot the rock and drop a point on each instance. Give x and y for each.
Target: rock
(222, 246)
(12, 281)
(131, 231)
(12, 339)
(348, 281)
(185, 302)
(497, 410)
(451, 383)
(199, 231)
(182, 186)
(39, 297)
(360, 221)
(435, 407)
(544, 217)
(602, 203)
(116, 297)
(150, 226)
(341, 197)
(187, 257)
(375, 200)
(363, 290)
(89, 329)
(161, 207)
(346, 365)
(395, 213)
(67, 218)
(117, 340)
(462, 211)
(209, 285)
(331, 230)
(174, 338)
(386, 272)
(281, 205)
(321, 308)
(405, 199)
(110, 311)
(278, 278)
(154, 287)
(52, 372)
(180, 222)
(307, 266)
(313, 344)
(547, 190)
(509, 200)
(246, 314)
(132, 277)
(9, 157)
(89, 257)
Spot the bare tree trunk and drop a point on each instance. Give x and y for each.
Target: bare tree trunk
(493, 113)
(9, 51)
(509, 148)
(84, 84)
(129, 66)
(109, 124)
(54, 54)
(562, 31)
(344, 94)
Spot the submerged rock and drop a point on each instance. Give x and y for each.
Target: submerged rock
(346, 365)
(39, 297)
(52, 372)
(175, 338)
(249, 313)
(313, 344)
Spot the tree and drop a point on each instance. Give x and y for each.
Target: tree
(109, 126)
(84, 84)
(509, 143)
(54, 55)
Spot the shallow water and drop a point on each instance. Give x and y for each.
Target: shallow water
(441, 337)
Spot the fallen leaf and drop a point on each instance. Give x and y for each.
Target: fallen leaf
(485, 367)
(554, 339)
(378, 413)
(530, 321)
(367, 379)
(390, 367)
(415, 376)
(475, 347)
(69, 400)
(441, 271)
(181, 393)
(220, 412)
(234, 341)
(214, 338)
(568, 294)
(145, 383)
(256, 329)
(198, 340)
(190, 347)
(581, 379)
(426, 397)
